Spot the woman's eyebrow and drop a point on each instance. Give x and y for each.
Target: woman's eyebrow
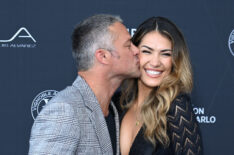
(147, 47)
(166, 50)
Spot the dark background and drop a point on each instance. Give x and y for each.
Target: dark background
(47, 64)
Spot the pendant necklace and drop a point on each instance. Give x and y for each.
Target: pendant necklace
(137, 122)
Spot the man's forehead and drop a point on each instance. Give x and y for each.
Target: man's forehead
(118, 27)
(119, 30)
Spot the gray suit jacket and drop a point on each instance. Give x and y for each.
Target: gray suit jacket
(73, 123)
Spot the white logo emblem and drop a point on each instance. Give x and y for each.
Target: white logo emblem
(14, 42)
(41, 100)
(202, 117)
(231, 42)
(20, 36)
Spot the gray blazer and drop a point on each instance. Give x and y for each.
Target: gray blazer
(73, 123)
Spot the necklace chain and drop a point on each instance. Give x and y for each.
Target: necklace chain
(138, 115)
(138, 118)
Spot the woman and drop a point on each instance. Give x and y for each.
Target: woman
(158, 118)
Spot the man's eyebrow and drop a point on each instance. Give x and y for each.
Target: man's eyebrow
(128, 41)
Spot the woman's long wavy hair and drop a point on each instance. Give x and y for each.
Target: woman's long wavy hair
(157, 104)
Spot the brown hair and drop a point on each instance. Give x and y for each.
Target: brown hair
(157, 104)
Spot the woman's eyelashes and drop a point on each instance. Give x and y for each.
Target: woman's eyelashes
(146, 51)
(166, 54)
(162, 53)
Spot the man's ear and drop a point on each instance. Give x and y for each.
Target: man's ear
(103, 56)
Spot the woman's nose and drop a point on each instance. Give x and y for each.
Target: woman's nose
(155, 61)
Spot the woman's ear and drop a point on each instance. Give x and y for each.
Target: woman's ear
(103, 56)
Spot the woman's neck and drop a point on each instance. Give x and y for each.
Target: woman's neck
(143, 93)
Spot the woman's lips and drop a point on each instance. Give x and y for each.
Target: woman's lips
(153, 73)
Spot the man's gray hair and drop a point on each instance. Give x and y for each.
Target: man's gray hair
(90, 35)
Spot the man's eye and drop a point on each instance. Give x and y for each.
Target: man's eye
(128, 46)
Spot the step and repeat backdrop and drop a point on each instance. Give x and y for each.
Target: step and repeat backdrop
(36, 60)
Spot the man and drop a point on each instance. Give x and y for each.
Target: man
(81, 119)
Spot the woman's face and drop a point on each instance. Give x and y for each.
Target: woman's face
(155, 58)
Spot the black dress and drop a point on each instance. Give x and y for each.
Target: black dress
(183, 131)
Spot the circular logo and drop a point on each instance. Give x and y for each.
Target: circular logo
(231, 42)
(41, 100)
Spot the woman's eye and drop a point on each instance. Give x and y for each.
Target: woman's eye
(145, 51)
(167, 54)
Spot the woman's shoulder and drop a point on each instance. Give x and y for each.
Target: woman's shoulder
(183, 97)
(183, 127)
(181, 103)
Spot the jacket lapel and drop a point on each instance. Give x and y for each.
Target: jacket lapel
(117, 127)
(96, 116)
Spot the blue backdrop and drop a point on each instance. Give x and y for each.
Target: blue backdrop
(36, 61)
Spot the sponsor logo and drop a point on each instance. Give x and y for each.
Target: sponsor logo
(202, 117)
(231, 42)
(21, 39)
(40, 101)
(131, 31)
